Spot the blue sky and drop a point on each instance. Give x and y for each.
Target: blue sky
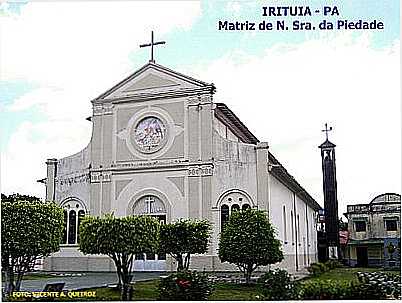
(56, 57)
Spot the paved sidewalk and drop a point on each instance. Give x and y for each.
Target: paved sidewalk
(84, 280)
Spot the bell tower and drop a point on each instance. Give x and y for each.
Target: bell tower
(330, 195)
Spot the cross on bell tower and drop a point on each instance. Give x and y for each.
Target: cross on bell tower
(327, 130)
(152, 46)
(330, 195)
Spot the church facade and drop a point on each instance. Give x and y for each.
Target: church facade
(161, 146)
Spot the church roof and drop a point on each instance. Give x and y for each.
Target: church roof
(223, 113)
(164, 70)
(327, 144)
(287, 179)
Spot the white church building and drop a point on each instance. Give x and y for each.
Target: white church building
(162, 146)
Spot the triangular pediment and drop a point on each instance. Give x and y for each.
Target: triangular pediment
(152, 79)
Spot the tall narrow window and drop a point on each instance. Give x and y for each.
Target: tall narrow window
(245, 206)
(298, 228)
(224, 215)
(65, 227)
(293, 227)
(72, 227)
(81, 215)
(285, 237)
(235, 207)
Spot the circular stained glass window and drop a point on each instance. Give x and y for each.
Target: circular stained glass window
(149, 134)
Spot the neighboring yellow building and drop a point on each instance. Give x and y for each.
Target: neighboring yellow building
(375, 232)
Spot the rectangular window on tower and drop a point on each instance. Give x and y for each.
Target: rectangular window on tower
(360, 226)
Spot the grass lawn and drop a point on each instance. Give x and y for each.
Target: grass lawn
(144, 291)
(147, 290)
(344, 273)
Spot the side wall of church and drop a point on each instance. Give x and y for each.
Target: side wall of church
(295, 228)
(234, 170)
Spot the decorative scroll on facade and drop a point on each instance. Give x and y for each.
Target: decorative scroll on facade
(200, 170)
(200, 99)
(97, 177)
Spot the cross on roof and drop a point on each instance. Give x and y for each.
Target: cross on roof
(327, 130)
(152, 46)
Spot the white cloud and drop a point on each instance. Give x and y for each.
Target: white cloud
(287, 95)
(284, 96)
(70, 44)
(72, 52)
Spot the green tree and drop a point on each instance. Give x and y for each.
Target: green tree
(30, 230)
(120, 239)
(18, 197)
(183, 238)
(248, 241)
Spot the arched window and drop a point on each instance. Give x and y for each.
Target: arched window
(74, 211)
(232, 201)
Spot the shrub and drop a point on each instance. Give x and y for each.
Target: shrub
(316, 269)
(277, 285)
(185, 285)
(332, 264)
(323, 267)
(325, 290)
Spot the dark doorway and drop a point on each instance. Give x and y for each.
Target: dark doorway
(362, 256)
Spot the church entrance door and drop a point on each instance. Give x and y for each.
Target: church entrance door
(154, 207)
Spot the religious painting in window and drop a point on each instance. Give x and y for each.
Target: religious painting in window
(150, 205)
(391, 225)
(149, 134)
(360, 226)
(74, 211)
